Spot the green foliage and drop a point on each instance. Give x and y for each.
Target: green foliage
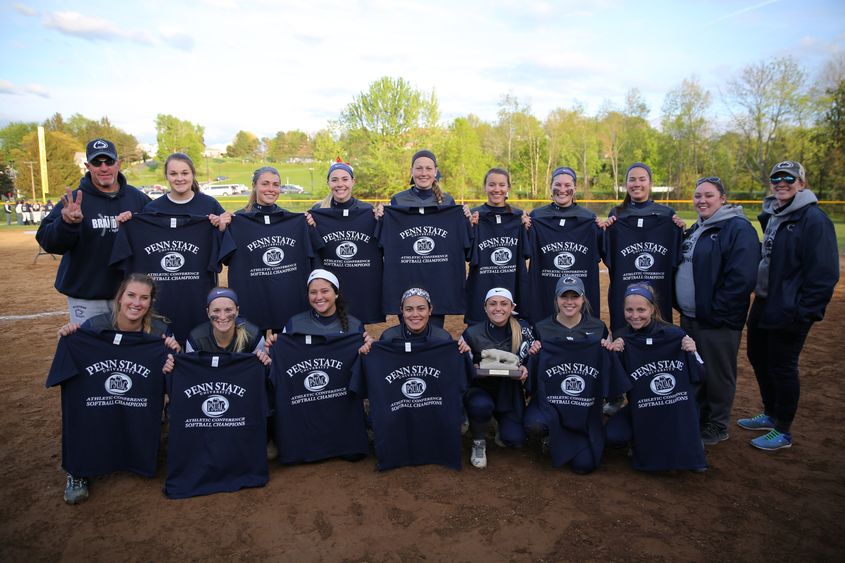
(464, 160)
(287, 145)
(84, 129)
(62, 171)
(245, 145)
(176, 135)
(11, 138)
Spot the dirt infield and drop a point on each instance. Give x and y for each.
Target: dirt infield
(751, 505)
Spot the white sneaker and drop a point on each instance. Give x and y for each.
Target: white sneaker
(478, 457)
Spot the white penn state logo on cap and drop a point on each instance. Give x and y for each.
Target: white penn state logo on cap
(100, 144)
(569, 280)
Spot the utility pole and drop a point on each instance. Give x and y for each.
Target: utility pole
(31, 177)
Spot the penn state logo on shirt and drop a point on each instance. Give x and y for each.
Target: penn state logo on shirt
(424, 245)
(572, 385)
(215, 405)
(413, 388)
(172, 262)
(644, 261)
(501, 256)
(316, 380)
(663, 383)
(273, 256)
(346, 250)
(118, 384)
(564, 260)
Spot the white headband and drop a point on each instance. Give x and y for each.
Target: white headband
(319, 274)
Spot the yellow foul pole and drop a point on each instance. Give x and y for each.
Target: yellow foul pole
(42, 161)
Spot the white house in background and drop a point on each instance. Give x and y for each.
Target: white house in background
(79, 160)
(654, 189)
(213, 152)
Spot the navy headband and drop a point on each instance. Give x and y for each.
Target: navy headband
(639, 165)
(640, 290)
(424, 153)
(565, 170)
(221, 292)
(340, 166)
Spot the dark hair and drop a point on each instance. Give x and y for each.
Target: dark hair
(627, 201)
(504, 173)
(147, 321)
(435, 185)
(339, 304)
(586, 308)
(255, 176)
(195, 187)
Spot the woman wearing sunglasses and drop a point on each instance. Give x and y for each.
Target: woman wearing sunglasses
(798, 270)
(713, 288)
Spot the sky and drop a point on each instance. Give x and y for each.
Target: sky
(266, 66)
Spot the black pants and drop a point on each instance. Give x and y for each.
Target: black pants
(718, 347)
(773, 354)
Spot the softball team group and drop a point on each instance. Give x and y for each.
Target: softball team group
(660, 390)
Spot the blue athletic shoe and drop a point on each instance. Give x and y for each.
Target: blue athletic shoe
(774, 440)
(759, 422)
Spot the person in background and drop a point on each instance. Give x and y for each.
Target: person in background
(798, 270)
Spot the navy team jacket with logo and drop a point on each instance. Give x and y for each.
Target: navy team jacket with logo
(316, 418)
(218, 424)
(568, 381)
(415, 391)
(112, 398)
(425, 247)
(497, 259)
(662, 412)
(180, 254)
(562, 246)
(641, 249)
(269, 265)
(353, 254)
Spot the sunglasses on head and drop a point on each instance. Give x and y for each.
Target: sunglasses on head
(778, 179)
(715, 180)
(97, 162)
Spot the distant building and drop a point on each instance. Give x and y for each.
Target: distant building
(79, 160)
(213, 152)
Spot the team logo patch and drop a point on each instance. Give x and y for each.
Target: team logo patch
(564, 260)
(100, 144)
(346, 250)
(118, 384)
(273, 256)
(172, 262)
(215, 405)
(686, 246)
(413, 388)
(501, 256)
(316, 380)
(572, 385)
(424, 245)
(644, 262)
(663, 383)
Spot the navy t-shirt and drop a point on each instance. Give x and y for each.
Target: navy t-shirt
(200, 204)
(112, 398)
(316, 418)
(415, 391)
(270, 265)
(561, 246)
(568, 380)
(662, 411)
(425, 247)
(497, 259)
(180, 254)
(353, 254)
(218, 424)
(641, 249)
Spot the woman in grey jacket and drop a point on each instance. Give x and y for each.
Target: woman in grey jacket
(713, 288)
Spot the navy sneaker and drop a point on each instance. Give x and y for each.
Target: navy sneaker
(774, 440)
(712, 434)
(759, 422)
(76, 490)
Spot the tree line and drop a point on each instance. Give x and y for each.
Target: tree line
(774, 111)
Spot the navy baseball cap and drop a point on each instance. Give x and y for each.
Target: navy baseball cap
(100, 147)
(569, 283)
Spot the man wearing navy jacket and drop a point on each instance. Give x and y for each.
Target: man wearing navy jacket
(82, 228)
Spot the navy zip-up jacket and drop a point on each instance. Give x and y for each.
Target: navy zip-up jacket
(724, 267)
(84, 271)
(803, 271)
